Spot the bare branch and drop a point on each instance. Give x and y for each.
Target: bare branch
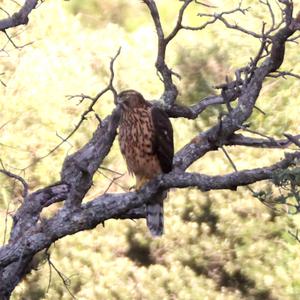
(295, 235)
(94, 99)
(17, 177)
(229, 159)
(28, 213)
(283, 74)
(109, 206)
(293, 139)
(178, 25)
(220, 16)
(192, 112)
(239, 28)
(65, 279)
(13, 43)
(215, 136)
(170, 89)
(2, 9)
(20, 17)
(30, 233)
(240, 140)
(79, 168)
(5, 223)
(205, 4)
(273, 26)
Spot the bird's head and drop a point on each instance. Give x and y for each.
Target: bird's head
(130, 99)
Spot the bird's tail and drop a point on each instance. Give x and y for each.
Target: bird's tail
(155, 214)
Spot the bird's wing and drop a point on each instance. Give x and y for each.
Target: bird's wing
(163, 145)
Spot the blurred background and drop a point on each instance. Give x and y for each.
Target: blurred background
(217, 245)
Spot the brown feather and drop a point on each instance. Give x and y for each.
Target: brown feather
(146, 142)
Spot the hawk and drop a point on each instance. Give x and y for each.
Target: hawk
(146, 142)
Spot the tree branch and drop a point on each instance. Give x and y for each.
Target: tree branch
(90, 108)
(108, 206)
(20, 17)
(249, 92)
(31, 234)
(193, 111)
(240, 140)
(17, 177)
(170, 89)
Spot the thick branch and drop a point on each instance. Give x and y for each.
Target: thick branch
(19, 18)
(79, 168)
(30, 234)
(193, 111)
(29, 212)
(109, 206)
(249, 92)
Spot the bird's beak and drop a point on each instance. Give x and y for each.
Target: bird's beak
(121, 103)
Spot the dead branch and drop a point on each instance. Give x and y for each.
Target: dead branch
(63, 277)
(90, 109)
(293, 139)
(112, 205)
(283, 74)
(20, 17)
(170, 89)
(210, 139)
(240, 140)
(16, 177)
(31, 234)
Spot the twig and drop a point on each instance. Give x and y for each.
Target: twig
(229, 158)
(66, 281)
(178, 25)
(13, 43)
(2, 9)
(205, 4)
(5, 223)
(50, 274)
(283, 74)
(110, 170)
(16, 2)
(295, 235)
(258, 133)
(259, 109)
(235, 168)
(113, 181)
(219, 16)
(267, 3)
(17, 177)
(4, 124)
(170, 89)
(94, 99)
(294, 39)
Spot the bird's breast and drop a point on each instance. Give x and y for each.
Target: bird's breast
(136, 134)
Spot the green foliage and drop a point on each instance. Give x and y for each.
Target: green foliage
(218, 245)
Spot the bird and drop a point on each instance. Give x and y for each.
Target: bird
(146, 143)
